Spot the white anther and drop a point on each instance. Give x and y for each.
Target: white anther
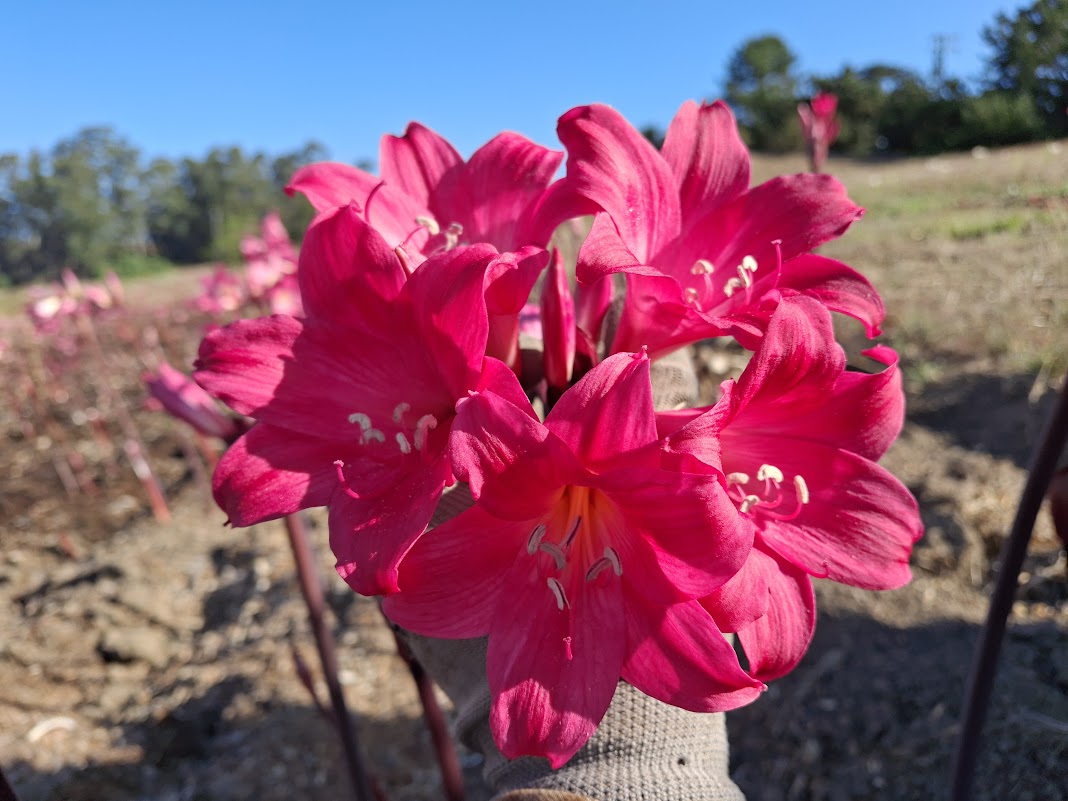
(802, 489)
(702, 267)
(452, 235)
(749, 502)
(613, 559)
(767, 471)
(596, 569)
(426, 423)
(737, 478)
(360, 419)
(745, 276)
(372, 434)
(402, 443)
(749, 264)
(558, 593)
(535, 538)
(692, 296)
(733, 286)
(574, 529)
(399, 411)
(430, 224)
(556, 552)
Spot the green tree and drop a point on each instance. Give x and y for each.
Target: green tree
(762, 90)
(1031, 57)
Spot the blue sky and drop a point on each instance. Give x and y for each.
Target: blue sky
(178, 78)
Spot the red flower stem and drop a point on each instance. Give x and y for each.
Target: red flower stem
(312, 589)
(984, 664)
(7, 792)
(448, 762)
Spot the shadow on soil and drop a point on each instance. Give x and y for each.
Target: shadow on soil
(873, 711)
(205, 750)
(996, 414)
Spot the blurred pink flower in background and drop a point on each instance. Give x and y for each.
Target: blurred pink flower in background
(819, 127)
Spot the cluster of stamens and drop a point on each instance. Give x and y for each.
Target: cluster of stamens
(744, 279)
(369, 434)
(769, 499)
(558, 552)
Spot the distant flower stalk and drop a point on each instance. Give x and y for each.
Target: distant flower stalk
(819, 127)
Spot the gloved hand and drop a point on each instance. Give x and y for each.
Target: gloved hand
(643, 748)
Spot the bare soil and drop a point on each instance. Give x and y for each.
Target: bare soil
(143, 660)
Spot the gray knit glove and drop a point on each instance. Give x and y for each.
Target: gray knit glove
(642, 750)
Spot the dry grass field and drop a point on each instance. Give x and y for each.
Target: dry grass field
(141, 660)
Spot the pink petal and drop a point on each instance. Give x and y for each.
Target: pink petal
(347, 271)
(184, 399)
(684, 536)
(270, 472)
(558, 324)
(799, 211)
(370, 536)
(451, 579)
(448, 295)
(393, 213)
(313, 378)
(591, 303)
(677, 655)
(708, 157)
(515, 467)
(552, 672)
(838, 287)
(511, 277)
(417, 162)
(499, 379)
(603, 253)
(501, 182)
(616, 167)
(797, 362)
(863, 413)
(744, 598)
(776, 642)
(860, 523)
(608, 412)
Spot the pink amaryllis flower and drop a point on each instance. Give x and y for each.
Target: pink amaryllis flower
(269, 258)
(222, 292)
(819, 127)
(700, 248)
(577, 562)
(796, 437)
(355, 403)
(428, 200)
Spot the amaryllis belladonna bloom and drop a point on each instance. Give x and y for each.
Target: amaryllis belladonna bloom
(700, 248)
(796, 437)
(578, 561)
(222, 291)
(185, 399)
(819, 127)
(355, 403)
(269, 258)
(428, 200)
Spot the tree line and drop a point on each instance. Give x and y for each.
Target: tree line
(92, 203)
(887, 109)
